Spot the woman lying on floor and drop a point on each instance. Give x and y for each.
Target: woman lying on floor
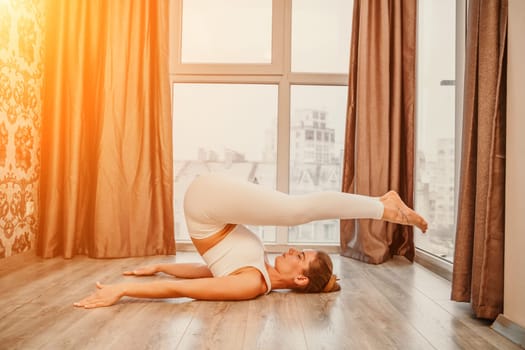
(217, 208)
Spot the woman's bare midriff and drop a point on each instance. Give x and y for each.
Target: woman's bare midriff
(204, 244)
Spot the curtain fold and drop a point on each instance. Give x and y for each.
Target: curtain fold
(479, 248)
(106, 155)
(379, 149)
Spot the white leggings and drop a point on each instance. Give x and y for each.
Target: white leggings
(214, 200)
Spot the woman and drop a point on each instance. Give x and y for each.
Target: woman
(217, 208)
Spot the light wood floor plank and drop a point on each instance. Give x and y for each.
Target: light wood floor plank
(397, 282)
(396, 305)
(438, 289)
(380, 321)
(273, 323)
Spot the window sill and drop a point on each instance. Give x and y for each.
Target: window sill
(439, 266)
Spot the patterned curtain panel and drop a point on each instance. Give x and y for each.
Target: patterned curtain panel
(379, 150)
(106, 172)
(21, 43)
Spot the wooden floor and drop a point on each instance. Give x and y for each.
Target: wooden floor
(396, 305)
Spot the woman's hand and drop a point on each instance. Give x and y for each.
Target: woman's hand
(142, 271)
(106, 295)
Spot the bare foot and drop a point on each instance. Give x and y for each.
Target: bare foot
(396, 211)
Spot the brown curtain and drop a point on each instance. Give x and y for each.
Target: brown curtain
(478, 258)
(379, 149)
(106, 159)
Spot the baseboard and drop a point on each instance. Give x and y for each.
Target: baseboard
(509, 330)
(18, 261)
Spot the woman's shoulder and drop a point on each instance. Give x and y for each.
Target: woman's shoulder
(252, 276)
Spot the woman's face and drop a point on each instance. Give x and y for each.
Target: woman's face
(294, 262)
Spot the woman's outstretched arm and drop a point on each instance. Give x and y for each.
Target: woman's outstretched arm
(181, 270)
(243, 286)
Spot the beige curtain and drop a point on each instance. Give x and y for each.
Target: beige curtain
(106, 159)
(379, 150)
(478, 258)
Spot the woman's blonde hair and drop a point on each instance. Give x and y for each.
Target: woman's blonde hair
(319, 273)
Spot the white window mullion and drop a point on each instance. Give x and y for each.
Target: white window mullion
(283, 149)
(283, 126)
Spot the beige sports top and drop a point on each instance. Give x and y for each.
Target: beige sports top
(240, 248)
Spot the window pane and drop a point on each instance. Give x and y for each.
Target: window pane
(227, 31)
(318, 116)
(321, 35)
(435, 163)
(228, 128)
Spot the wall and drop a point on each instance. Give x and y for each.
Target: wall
(514, 298)
(21, 48)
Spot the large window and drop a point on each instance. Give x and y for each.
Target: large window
(259, 92)
(438, 134)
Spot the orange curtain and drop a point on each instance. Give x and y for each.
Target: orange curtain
(379, 149)
(106, 159)
(479, 250)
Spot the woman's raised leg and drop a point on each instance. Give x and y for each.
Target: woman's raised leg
(218, 199)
